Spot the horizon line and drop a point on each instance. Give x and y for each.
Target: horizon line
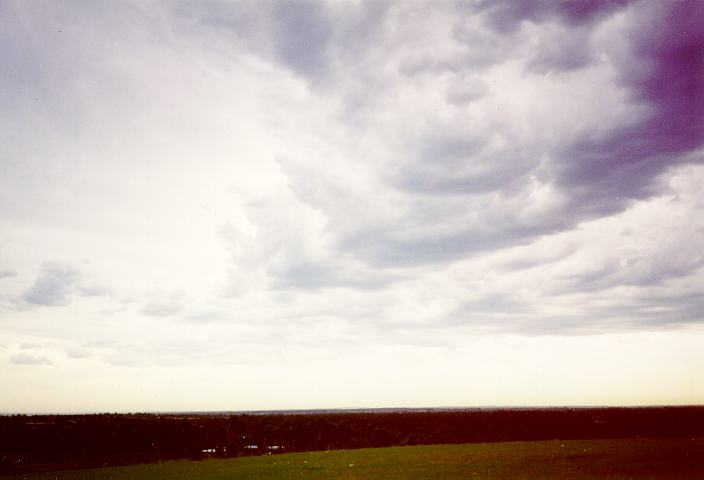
(356, 409)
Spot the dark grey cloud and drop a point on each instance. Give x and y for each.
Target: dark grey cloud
(53, 286)
(295, 33)
(386, 248)
(27, 359)
(451, 164)
(568, 51)
(643, 311)
(643, 272)
(600, 174)
(506, 16)
(314, 38)
(482, 49)
(46, 52)
(564, 45)
(672, 311)
(603, 173)
(302, 33)
(666, 75)
(309, 37)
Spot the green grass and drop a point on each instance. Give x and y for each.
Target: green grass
(613, 459)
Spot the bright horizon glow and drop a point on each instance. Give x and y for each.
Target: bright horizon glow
(664, 377)
(230, 206)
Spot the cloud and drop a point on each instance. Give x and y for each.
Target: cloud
(307, 275)
(7, 274)
(297, 34)
(465, 90)
(53, 286)
(161, 309)
(506, 16)
(562, 51)
(320, 180)
(308, 37)
(490, 162)
(665, 76)
(27, 359)
(98, 348)
(456, 164)
(302, 34)
(56, 285)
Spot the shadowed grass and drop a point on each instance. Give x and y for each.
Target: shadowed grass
(576, 459)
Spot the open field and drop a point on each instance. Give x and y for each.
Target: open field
(615, 459)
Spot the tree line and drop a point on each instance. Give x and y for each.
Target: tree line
(36, 442)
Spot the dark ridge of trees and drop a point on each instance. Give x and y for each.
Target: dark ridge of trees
(48, 442)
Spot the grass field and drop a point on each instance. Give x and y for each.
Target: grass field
(613, 459)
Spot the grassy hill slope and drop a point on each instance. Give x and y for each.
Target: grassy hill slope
(614, 459)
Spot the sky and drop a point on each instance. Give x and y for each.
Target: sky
(250, 205)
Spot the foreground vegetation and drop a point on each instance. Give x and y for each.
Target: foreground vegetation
(573, 459)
